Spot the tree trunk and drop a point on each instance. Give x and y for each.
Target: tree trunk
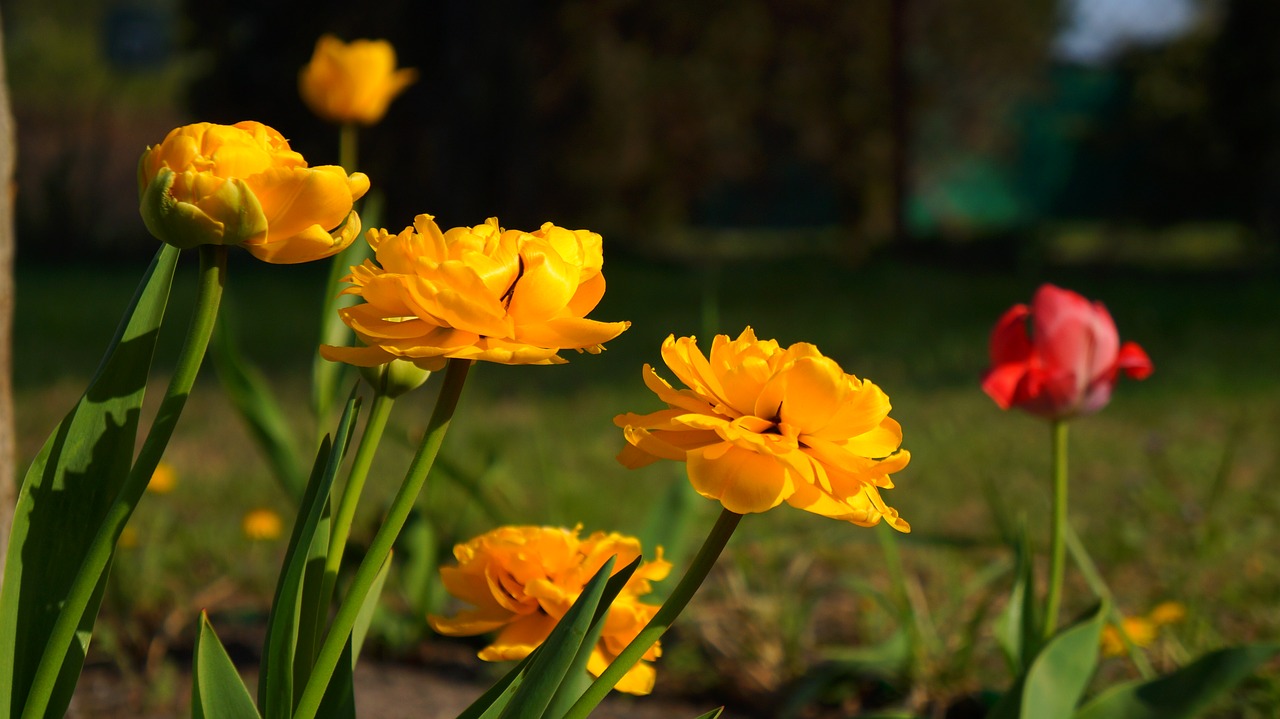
(8, 459)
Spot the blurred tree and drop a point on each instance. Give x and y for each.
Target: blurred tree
(8, 462)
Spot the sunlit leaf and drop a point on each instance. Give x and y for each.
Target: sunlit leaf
(65, 495)
(217, 691)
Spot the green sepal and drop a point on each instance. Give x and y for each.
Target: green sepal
(230, 216)
(217, 691)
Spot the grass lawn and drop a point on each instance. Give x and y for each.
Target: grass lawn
(1172, 485)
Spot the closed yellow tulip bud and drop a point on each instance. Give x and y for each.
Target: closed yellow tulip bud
(241, 184)
(352, 82)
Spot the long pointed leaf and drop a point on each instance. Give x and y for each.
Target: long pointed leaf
(1017, 629)
(1052, 686)
(217, 691)
(64, 496)
(559, 651)
(275, 684)
(1184, 693)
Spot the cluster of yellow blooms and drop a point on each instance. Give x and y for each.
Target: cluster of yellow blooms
(757, 424)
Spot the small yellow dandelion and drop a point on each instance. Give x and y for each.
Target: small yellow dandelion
(262, 525)
(1168, 613)
(163, 480)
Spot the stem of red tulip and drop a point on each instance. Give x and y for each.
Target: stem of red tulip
(1057, 528)
(455, 376)
(662, 621)
(213, 271)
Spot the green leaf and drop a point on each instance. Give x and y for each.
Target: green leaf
(1017, 630)
(1053, 684)
(339, 701)
(65, 495)
(275, 683)
(251, 396)
(491, 703)
(217, 691)
(713, 714)
(1184, 693)
(559, 651)
(365, 618)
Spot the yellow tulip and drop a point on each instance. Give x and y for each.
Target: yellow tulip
(352, 82)
(760, 425)
(478, 293)
(241, 184)
(522, 580)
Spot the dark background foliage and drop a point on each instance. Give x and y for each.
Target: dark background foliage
(651, 121)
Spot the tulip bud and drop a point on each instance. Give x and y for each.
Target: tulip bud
(242, 185)
(395, 378)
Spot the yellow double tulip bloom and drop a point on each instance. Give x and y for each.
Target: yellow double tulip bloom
(477, 293)
(521, 580)
(241, 184)
(760, 425)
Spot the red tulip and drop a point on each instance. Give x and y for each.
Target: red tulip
(1069, 361)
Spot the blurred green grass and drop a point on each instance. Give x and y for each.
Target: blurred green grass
(1171, 484)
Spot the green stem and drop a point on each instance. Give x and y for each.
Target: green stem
(662, 621)
(348, 146)
(213, 270)
(351, 493)
(1057, 528)
(327, 376)
(455, 377)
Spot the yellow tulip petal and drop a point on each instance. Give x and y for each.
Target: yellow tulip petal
(546, 285)
(296, 199)
(519, 638)
(570, 333)
(744, 482)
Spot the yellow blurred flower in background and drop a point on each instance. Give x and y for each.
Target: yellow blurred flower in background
(352, 82)
(262, 525)
(521, 580)
(128, 538)
(1142, 631)
(241, 184)
(478, 293)
(163, 480)
(760, 425)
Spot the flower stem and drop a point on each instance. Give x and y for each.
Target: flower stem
(213, 270)
(348, 146)
(455, 377)
(663, 619)
(327, 376)
(341, 529)
(1057, 528)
